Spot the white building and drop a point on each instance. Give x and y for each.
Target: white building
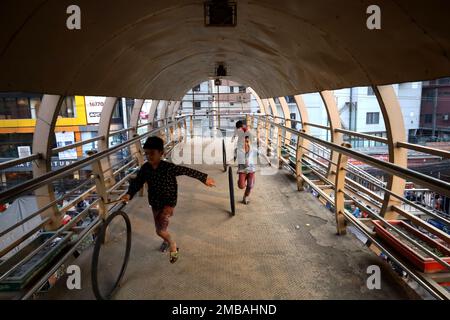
(365, 116)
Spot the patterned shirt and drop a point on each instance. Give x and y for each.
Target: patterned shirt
(162, 182)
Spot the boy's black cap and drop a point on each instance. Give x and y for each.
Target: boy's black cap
(154, 143)
(239, 124)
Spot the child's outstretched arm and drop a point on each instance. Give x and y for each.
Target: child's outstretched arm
(203, 177)
(135, 184)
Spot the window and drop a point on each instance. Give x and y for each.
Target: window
(15, 108)
(370, 91)
(10, 143)
(290, 99)
(117, 117)
(372, 117)
(231, 89)
(428, 118)
(196, 88)
(444, 81)
(241, 89)
(67, 108)
(445, 117)
(197, 105)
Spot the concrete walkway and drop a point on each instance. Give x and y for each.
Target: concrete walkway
(257, 254)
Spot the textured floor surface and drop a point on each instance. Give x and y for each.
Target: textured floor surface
(256, 254)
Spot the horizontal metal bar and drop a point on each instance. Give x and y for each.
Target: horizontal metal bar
(318, 173)
(119, 163)
(11, 163)
(54, 175)
(316, 161)
(440, 186)
(120, 182)
(436, 152)
(112, 133)
(317, 125)
(77, 144)
(89, 229)
(316, 154)
(411, 203)
(131, 162)
(363, 196)
(417, 220)
(362, 135)
(363, 175)
(57, 233)
(363, 189)
(374, 241)
(318, 190)
(405, 236)
(81, 197)
(144, 125)
(48, 206)
(23, 237)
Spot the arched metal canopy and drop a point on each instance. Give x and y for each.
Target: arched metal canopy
(160, 49)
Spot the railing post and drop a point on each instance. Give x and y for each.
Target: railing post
(258, 132)
(102, 168)
(279, 145)
(171, 130)
(299, 165)
(285, 107)
(268, 143)
(44, 129)
(339, 198)
(179, 130)
(301, 142)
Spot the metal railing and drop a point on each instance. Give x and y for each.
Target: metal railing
(85, 187)
(434, 184)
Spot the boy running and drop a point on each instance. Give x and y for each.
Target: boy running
(160, 177)
(246, 169)
(240, 132)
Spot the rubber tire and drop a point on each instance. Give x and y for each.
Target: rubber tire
(96, 252)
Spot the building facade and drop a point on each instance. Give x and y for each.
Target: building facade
(78, 121)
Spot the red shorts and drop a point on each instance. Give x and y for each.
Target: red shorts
(161, 217)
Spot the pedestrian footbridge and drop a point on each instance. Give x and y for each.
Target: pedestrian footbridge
(299, 237)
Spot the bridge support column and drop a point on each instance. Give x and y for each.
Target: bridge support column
(301, 142)
(287, 116)
(44, 129)
(395, 130)
(102, 168)
(339, 198)
(136, 148)
(334, 123)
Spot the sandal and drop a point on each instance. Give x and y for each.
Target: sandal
(164, 246)
(174, 256)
